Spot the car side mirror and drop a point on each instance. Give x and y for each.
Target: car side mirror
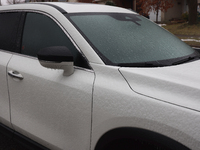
(57, 57)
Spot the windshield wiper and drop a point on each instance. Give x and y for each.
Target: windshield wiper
(162, 63)
(142, 64)
(184, 60)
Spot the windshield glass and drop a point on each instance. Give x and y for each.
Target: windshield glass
(128, 38)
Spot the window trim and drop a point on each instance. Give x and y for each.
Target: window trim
(20, 25)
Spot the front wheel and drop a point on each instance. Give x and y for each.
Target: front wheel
(134, 144)
(136, 139)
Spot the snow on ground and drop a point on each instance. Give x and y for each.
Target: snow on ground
(161, 25)
(191, 40)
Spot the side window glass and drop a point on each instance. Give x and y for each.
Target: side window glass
(40, 32)
(9, 27)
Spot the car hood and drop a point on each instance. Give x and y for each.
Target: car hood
(179, 85)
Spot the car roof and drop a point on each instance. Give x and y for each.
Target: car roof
(66, 7)
(88, 7)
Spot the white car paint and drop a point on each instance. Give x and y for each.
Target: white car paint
(61, 114)
(177, 85)
(83, 7)
(73, 112)
(4, 95)
(132, 109)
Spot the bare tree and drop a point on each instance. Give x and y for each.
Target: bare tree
(192, 11)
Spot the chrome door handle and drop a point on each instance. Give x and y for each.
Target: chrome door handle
(15, 74)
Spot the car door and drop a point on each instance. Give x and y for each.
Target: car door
(4, 98)
(9, 23)
(46, 106)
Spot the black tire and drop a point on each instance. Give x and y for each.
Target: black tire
(134, 144)
(136, 139)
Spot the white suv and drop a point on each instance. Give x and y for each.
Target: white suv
(95, 77)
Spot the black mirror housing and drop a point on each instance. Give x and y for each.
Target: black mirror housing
(55, 54)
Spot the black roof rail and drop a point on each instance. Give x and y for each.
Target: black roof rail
(56, 7)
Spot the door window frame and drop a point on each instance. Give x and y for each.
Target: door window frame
(21, 30)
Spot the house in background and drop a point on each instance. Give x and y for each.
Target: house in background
(180, 7)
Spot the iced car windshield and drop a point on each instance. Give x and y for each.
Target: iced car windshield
(121, 38)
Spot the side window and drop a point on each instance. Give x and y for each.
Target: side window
(9, 27)
(40, 32)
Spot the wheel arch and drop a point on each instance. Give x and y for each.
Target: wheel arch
(137, 134)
